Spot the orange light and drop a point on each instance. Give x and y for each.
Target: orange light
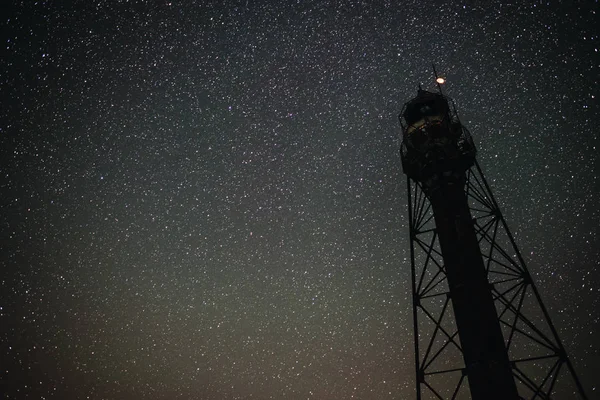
(440, 80)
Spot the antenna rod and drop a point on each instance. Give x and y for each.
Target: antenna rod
(437, 79)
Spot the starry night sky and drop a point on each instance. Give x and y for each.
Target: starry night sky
(205, 199)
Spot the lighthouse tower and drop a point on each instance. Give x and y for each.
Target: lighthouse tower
(481, 330)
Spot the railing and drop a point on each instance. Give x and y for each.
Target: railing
(453, 150)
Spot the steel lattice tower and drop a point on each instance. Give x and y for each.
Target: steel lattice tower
(481, 329)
